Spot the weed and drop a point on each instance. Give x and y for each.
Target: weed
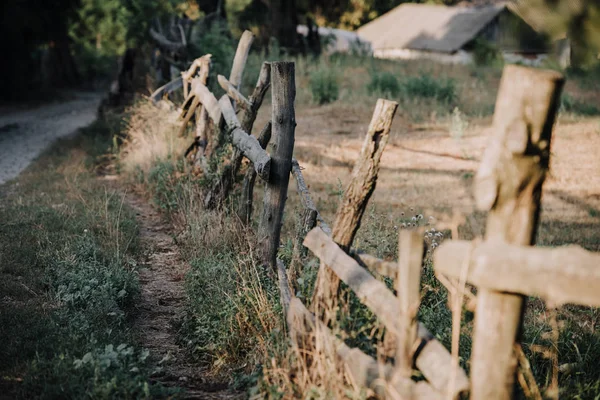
(324, 86)
(442, 90)
(485, 52)
(68, 242)
(384, 84)
(458, 125)
(577, 107)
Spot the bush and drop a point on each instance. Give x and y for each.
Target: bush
(442, 90)
(574, 106)
(384, 84)
(324, 86)
(485, 52)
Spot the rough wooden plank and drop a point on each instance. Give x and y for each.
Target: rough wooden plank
(433, 360)
(207, 99)
(563, 275)
(235, 94)
(247, 195)
(408, 287)
(356, 197)
(509, 184)
(305, 197)
(283, 118)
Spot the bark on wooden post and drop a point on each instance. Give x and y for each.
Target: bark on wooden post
(408, 287)
(509, 185)
(283, 119)
(356, 197)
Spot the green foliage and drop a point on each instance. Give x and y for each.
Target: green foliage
(231, 299)
(68, 241)
(384, 84)
(577, 107)
(426, 86)
(218, 42)
(100, 35)
(485, 52)
(167, 184)
(324, 85)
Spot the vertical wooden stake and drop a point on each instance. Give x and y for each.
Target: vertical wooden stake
(408, 286)
(509, 185)
(356, 197)
(283, 120)
(241, 56)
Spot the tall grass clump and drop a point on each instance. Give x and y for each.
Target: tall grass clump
(384, 84)
(442, 90)
(574, 106)
(324, 85)
(151, 136)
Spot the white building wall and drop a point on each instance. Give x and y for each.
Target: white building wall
(459, 57)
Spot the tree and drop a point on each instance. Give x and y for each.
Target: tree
(579, 20)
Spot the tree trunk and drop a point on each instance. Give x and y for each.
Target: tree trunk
(284, 20)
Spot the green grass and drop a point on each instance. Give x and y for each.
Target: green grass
(68, 281)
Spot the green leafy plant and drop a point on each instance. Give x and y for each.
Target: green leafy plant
(485, 52)
(442, 90)
(571, 105)
(384, 84)
(324, 86)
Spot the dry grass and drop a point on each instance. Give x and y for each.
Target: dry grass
(151, 135)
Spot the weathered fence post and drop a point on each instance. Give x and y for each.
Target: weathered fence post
(356, 197)
(509, 185)
(283, 119)
(408, 287)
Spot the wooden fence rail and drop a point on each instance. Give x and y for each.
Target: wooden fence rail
(508, 185)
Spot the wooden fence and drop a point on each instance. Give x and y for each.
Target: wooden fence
(505, 270)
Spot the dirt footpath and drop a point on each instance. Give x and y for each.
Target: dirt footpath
(25, 134)
(161, 306)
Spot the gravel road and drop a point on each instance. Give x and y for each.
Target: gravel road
(25, 134)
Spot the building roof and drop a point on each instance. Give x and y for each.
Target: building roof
(428, 27)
